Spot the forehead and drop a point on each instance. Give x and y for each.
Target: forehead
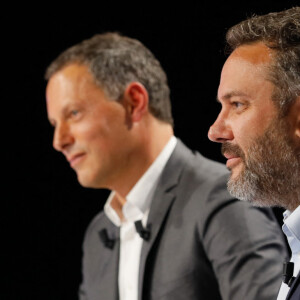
(72, 78)
(72, 85)
(246, 69)
(249, 58)
(255, 53)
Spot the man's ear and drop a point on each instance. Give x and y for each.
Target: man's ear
(297, 108)
(298, 129)
(135, 101)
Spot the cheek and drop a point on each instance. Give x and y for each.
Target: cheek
(104, 139)
(242, 132)
(90, 135)
(247, 129)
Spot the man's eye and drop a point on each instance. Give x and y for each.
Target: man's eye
(237, 104)
(74, 112)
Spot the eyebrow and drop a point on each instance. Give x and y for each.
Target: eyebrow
(229, 95)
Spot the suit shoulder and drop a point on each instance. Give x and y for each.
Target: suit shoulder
(97, 223)
(201, 165)
(202, 182)
(204, 172)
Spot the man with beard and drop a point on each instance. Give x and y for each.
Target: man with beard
(259, 123)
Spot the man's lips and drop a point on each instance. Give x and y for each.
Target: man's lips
(75, 159)
(232, 159)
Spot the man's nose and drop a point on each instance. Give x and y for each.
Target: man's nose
(62, 137)
(220, 131)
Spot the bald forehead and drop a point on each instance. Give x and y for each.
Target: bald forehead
(245, 72)
(247, 61)
(256, 53)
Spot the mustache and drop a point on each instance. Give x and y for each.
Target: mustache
(232, 149)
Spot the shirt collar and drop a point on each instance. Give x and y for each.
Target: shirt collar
(139, 198)
(291, 229)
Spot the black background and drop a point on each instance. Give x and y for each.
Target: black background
(45, 210)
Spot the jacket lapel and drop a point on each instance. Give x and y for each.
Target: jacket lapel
(110, 267)
(296, 284)
(163, 198)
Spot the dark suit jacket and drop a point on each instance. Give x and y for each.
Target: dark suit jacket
(203, 244)
(294, 292)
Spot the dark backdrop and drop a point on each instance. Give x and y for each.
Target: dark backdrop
(45, 211)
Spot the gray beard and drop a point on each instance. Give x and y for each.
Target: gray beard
(271, 173)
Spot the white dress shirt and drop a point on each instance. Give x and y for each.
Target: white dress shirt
(136, 208)
(291, 229)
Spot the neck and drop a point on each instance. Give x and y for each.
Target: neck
(117, 204)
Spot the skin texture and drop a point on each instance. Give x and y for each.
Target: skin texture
(248, 123)
(108, 143)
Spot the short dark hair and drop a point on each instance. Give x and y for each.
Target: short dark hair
(115, 61)
(280, 31)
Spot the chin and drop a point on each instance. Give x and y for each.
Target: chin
(85, 181)
(234, 174)
(89, 181)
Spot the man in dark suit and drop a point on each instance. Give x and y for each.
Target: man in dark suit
(169, 229)
(259, 124)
